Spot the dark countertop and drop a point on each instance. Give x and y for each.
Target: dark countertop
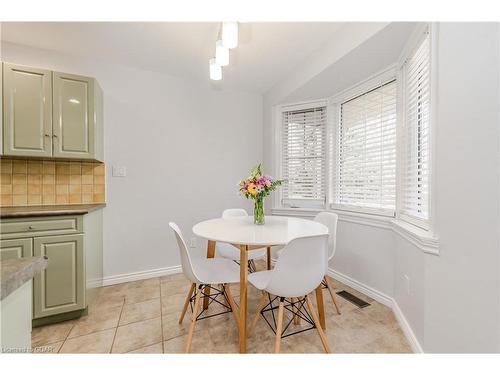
(56, 210)
(15, 272)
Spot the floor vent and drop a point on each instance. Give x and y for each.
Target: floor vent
(353, 299)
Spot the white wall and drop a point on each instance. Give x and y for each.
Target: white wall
(185, 147)
(461, 285)
(453, 305)
(409, 260)
(366, 254)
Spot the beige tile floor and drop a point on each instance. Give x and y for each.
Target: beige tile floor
(142, 317)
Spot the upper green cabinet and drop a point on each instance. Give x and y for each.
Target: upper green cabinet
(73, 116)
(51, 114)
(27, 116)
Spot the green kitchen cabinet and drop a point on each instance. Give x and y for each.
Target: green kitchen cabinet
(73, 246)
(27, 111)
(60, 287)
(17, 248)
(51, 114)
(77, 116)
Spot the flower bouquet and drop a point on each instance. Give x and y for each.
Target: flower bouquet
(256, 187)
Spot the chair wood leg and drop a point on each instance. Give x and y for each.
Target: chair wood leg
(193, 319)
(321, 306)
(279, 327)
(332, 294)
(268, 257)
(230, 299)
(210, 254)
(186, 302)
(260, 306)
(321, 334)
(243, 297)
(296, 319)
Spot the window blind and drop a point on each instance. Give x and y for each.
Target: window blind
(416, 142)
(365, 176)
(304, 157)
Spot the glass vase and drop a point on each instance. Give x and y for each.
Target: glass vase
(258, 211)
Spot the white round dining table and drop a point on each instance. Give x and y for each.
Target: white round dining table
(241, 232)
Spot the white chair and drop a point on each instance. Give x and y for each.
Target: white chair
(329, 219)
(298, 272)
(204, 272)
(229, 251)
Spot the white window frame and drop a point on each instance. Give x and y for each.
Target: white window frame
(278, 132)
(422, 32)
(335, 102)
(425, 229)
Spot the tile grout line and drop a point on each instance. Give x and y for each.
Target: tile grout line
(118, 324)
(66, 338)
(116, 328)
(142, 347)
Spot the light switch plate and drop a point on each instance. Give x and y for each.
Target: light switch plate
(119, 171)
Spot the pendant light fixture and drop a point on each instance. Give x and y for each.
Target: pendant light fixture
(221, 53)
(215, 70)
(226, 39)
(230, 34)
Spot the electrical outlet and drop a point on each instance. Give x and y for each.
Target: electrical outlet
(193, 242)
(407, 284)
(119, 171)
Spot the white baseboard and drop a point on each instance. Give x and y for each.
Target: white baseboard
(406, 328)
(134, 276)
(378, 296)
(383, 299)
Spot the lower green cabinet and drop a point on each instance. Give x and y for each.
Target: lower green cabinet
(73, 245)
(60, 288)
(18, 248)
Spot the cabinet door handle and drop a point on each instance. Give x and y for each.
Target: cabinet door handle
(47, 135)
(54, 135)
(31, 227)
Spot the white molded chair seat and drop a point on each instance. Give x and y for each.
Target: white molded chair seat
(202, 273)
(216, 271)
(260, 279)
(297, 273)
(226, 250)
(329, 219)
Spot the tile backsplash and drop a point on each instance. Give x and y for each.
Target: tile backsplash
(48, 182)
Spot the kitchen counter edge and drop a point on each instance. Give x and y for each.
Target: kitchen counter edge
(56, 210)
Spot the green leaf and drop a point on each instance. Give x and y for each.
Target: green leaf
(256, 170)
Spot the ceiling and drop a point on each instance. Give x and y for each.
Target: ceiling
(372, 56)
(267, 52)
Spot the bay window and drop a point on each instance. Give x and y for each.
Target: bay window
(366, 150)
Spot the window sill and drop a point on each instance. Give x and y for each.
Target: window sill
(421, 238)
(378, 221)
